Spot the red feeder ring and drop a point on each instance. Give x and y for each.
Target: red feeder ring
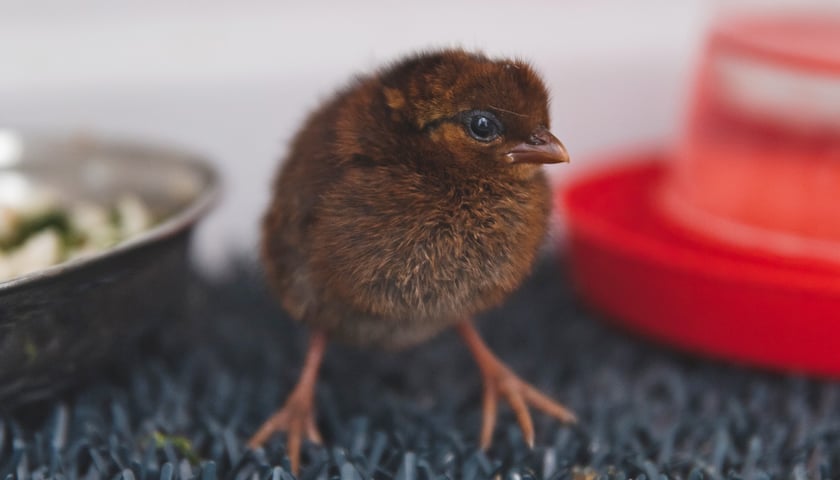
(668, 282)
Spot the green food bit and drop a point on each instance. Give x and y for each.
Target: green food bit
(30, 350)
(30, 226)
(114, 217)
(72, 238)
(181, 443)
(58, 220)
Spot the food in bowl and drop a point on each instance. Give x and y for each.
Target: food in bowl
(42, 231)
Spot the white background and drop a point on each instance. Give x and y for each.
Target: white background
(232, 79)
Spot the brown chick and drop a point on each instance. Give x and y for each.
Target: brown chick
(409, 202)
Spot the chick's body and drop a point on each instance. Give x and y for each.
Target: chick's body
(409, 202)
(387, 222)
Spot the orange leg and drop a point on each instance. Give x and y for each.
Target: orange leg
(500, 380)
(297, 417)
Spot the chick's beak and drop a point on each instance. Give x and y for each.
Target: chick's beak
(542, 147)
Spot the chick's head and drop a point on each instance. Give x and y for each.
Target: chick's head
(455, 108)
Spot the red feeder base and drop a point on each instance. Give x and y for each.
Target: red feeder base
(655, 277)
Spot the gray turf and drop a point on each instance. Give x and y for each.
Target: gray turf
(646, 412)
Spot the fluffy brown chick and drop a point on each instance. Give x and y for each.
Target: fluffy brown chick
(410, 201)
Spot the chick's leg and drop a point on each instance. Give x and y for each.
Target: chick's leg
(500, 380)
(297, 416)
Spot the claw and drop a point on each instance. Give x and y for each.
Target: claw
(488, 416)
(512, 389)
(297, 417)
(498, 379)
(312, 433)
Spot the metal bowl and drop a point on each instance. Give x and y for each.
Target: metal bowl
(63, 321)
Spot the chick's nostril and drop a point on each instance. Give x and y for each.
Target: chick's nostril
(537, 139)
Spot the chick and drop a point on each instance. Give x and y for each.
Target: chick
(409, 202)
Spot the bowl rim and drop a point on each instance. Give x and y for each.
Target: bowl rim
(180, 221)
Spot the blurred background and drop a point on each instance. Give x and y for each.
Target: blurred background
(232, 80)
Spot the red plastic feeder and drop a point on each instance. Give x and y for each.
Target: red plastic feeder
(730, 244)
(665, 281)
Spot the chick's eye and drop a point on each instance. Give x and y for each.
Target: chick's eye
(483, 126)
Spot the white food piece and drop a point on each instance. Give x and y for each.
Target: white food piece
(39, 251)
(95, 224)
(6, 272)
(134, 216)
(9, 221)
(86, 250)
(39, 201)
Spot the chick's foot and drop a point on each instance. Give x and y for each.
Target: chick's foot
(297, 416)
(499, 380)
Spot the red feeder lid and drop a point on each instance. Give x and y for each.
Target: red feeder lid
(656, 277)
